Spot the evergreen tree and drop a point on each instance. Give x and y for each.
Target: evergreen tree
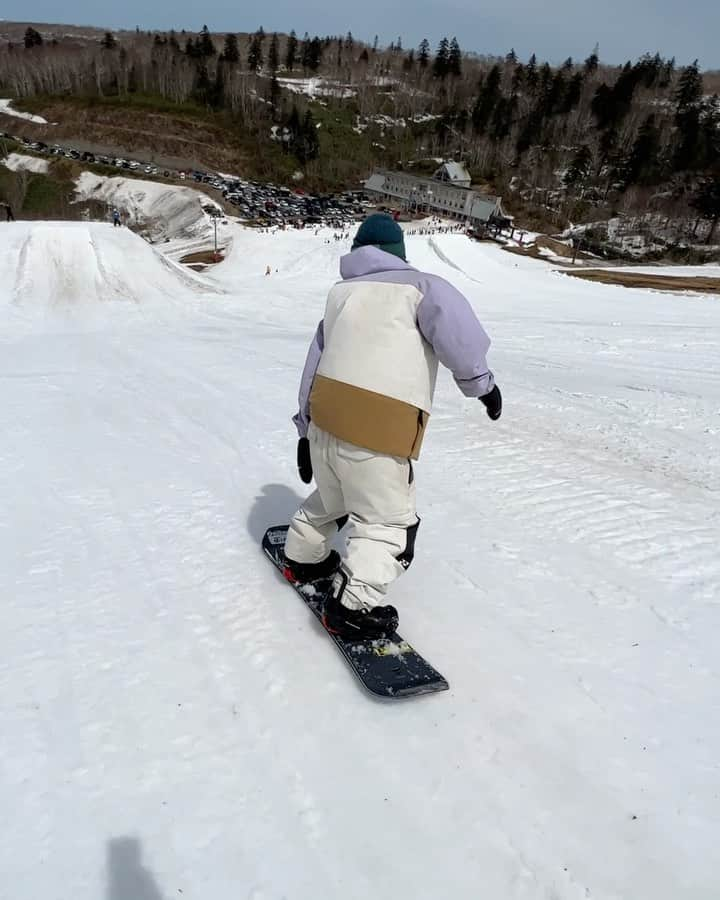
(511, 58)
(545, 80)
(305, 52)
(690, 87)
(293, 125)
(364, 56)
(518, 78)
(205, 45)
(667, 74)
(274, 54)
(441, 63)
(573, 93)
(607, 145)
(710, 125)
(255, 54)
(593, 61)
(217, 94)
(611, 105)
(689, 148)
(32, 38)
(487, 99)
(315, 54)
(424, 53)
(603, 107)
(202, 88)
(706, 201)
(555, 97)
(580, 166)
(349, 42)
(291, 51)
(307, 145)
(531, 73)
(108, 42)
(375, 45)
(642, 164)
(531, 131)
(231, 51)
(454, 59)
(649, 69)
(502, 117)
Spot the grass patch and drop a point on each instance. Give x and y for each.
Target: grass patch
(45, 197)
(139, 101)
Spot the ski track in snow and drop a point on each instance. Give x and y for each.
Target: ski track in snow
(174, 720)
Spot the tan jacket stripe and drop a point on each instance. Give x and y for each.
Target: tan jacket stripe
(367, 419)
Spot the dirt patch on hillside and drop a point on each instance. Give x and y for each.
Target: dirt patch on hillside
(179, 141)
(543, 242)
(698, 284)
(203, 256)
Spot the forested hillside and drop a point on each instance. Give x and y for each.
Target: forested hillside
(577, 142)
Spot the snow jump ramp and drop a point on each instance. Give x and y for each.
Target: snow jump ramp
(58, 263)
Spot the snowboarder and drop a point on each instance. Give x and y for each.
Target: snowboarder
(116, 218)
(365, 399)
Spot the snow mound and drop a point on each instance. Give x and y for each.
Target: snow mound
(20, 161)
(161, 210)
(7, 110)
(317, 87)
(56, 263)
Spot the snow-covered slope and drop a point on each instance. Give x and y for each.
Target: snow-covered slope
(61, 263)
(22, 162)
(161, 210)
(173, 721)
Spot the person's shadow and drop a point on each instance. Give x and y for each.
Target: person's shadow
(127, 878)
(276, 504)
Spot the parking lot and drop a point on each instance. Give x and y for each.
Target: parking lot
(254, 202)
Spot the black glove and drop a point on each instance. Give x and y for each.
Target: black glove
(303, 460)
(493, 403)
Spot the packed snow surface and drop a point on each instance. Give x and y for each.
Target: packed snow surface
(62, 265)
(161, 210)
(175, 723)
(21, 161)
(7, 110)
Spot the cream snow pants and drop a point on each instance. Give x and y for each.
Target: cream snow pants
(377, 495)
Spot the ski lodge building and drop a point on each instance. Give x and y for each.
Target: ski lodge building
(447, 193)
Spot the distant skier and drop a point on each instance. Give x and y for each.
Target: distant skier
(9, 217)
(116, 218)
(268, 270)
(365, 399)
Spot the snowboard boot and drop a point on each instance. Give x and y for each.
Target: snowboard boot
(306, 573)
(364, 623)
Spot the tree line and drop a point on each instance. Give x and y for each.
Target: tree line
(569, 139)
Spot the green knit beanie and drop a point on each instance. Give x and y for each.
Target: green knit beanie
(382, 231)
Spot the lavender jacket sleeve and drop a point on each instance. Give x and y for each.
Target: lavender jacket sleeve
(449, 324)
(302, 418)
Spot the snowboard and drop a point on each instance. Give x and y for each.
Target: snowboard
(387, 667)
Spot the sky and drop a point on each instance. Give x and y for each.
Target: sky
(624, 30)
